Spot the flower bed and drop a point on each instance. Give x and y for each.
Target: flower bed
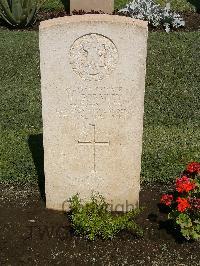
(184, 202)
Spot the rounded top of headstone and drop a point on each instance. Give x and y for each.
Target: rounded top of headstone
(114, 19)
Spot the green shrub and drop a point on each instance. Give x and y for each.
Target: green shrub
(19, 13)
(55, 5)
(93, 219)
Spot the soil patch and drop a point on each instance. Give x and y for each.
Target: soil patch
(32, 235)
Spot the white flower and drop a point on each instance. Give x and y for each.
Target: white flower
(154, 14)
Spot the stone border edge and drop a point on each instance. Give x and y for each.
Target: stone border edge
(115, 19)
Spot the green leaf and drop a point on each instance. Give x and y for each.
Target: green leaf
(184, 220)
(20, 12)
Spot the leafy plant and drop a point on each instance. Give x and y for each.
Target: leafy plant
(19, 13)
(93, 219)
(153, 13)
(184, 202)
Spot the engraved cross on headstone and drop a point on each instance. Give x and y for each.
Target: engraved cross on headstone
(94, 143)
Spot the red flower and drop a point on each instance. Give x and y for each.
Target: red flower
(166, 199)
(193, 167)
(183, 204)
(184, 184)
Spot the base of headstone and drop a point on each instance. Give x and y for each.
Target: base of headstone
(105, 6)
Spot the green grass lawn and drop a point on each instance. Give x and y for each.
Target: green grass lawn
(172, 105)
(180, 5)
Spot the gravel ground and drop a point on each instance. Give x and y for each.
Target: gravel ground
(33, 235)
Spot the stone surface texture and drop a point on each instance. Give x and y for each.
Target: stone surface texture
(106, 6)
(93, 81)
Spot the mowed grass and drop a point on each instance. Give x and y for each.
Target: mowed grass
(179, 5)
(172, 105)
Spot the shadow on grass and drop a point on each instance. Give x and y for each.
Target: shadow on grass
(196, 4)
(35, 143)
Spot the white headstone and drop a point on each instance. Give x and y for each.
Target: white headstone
(106, 6)
(93, 81)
